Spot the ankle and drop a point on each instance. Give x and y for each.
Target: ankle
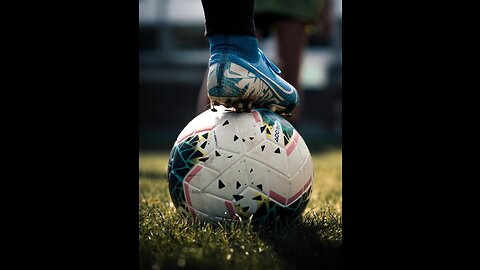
(246, 45)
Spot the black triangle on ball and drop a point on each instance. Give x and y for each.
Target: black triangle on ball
(257, 198)
(237, 197)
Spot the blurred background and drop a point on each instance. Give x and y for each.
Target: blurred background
(173, 59)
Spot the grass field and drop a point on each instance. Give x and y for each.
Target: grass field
(168, 241)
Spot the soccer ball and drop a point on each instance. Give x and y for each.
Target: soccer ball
(228, 166)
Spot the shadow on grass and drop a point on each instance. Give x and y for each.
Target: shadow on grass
(303, 245)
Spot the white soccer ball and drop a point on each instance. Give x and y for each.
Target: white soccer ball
(236, 166)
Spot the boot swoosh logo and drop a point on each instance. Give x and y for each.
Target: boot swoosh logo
(270, 80)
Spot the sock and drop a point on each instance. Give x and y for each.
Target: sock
(229, 18)
(246, 45)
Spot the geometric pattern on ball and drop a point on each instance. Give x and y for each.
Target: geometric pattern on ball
(229, 166)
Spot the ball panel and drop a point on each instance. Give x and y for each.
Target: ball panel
(205, 142)
(294, 210)
(183, 157)
(271, 210)
(302, 147)
(277, 129)
(277, 134)
(269, 152)
(229, 183)
(229, 138)
(203, 178)
(220, 160)
(258, 175)
(217, 207)
(249, 203)
(195, 197)
(294, 159)
(251, 137)
(279, 187)
(177, 169)
(244, 120)
(202, 216)
(297, 183)
(308, 168)
(205, 121)
(175, 188)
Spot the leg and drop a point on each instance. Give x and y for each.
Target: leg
(202, 102)
(292, 40)
(225, 17)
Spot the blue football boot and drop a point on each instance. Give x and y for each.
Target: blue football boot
(241, 76)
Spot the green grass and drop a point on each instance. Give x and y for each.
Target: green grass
(168, 241)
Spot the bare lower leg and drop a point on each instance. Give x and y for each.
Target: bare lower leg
(291, 44)
(203, 102)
